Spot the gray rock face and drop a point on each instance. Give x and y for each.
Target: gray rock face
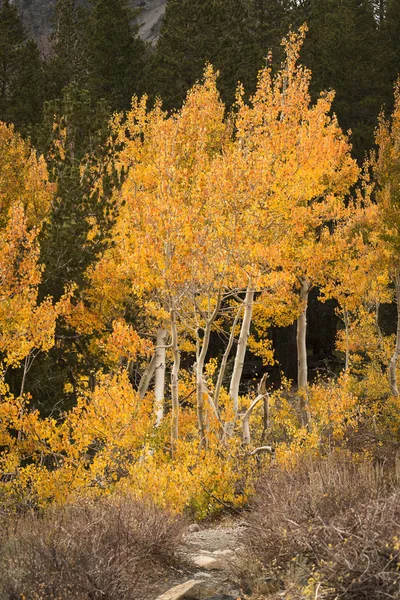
(38, 19)
(37, 16)
(150, 18)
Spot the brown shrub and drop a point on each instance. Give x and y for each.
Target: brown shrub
(332, 525)
(109, 549)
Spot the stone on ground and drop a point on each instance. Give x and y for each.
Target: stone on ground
(209, 563)
(180, 591)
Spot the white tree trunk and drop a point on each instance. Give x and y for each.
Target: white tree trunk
(159, 384)
(174, 379)
(200, 388)
(146, 377)
(266, 423)
(394, 360)
(201, 410)
(302, 368)
(200, 359)
(224, 361)
(246, 420)
(241, 349)
(262, 395)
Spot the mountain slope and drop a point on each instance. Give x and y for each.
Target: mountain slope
(38, 14)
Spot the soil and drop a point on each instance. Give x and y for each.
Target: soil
(218, 544)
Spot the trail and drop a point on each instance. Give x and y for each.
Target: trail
(208, 557)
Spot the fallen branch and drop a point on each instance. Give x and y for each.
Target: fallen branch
(262, 450)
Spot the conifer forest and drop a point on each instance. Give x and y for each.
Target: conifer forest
(200, 301)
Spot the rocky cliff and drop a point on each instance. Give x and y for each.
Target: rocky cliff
(38, 16)
(150, 18)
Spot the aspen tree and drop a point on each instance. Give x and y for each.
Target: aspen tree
(304, 168)
(26, 325)
(387, 175)
(172, 238)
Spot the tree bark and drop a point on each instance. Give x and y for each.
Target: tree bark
(241, 349)
(262, 395)
(302, 368)
(200, 359)
(246, 420)
(159, 367)
(174, 379)
(265, 418)
(346, 328)
(146, 377)
(201, 411)
(394, 360)
(224, 361)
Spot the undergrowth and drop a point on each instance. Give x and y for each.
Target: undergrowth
(109, 549)
(330, 529)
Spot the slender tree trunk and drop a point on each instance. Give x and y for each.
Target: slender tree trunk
(214, 409)
(28, 362)
(201, 410)
(26, 369)
(159, 367)
(22, 390)
(394, 360)
(241, 349)
(347, 334)
(246, 420)
(174, 379)
(224, 361)
(302, 368)
(265, 418)
(378, 329)
(262, 395)
(146, 377)
(200, 387)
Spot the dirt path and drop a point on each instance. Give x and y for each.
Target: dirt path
(208, 555)
(214, 538)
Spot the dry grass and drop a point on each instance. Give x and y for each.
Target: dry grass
(330, 530)
(110, 549)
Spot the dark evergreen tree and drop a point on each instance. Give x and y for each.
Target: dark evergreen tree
(391, 31)
(12, 39)
(68, 62)
(272, 21)
(75, 140)
(116, 54)
(74, 165)
(195, 32)
(342, 50)
(21, 72)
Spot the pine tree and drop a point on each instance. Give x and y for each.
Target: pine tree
(116, 54)
(194, 32)
(391, 31)
(75, 140)
(68, 63)
(21, 73)
(12, 38)
(342, 50)
(273, 19)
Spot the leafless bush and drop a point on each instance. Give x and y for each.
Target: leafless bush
(332, 520)
(108, 549)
